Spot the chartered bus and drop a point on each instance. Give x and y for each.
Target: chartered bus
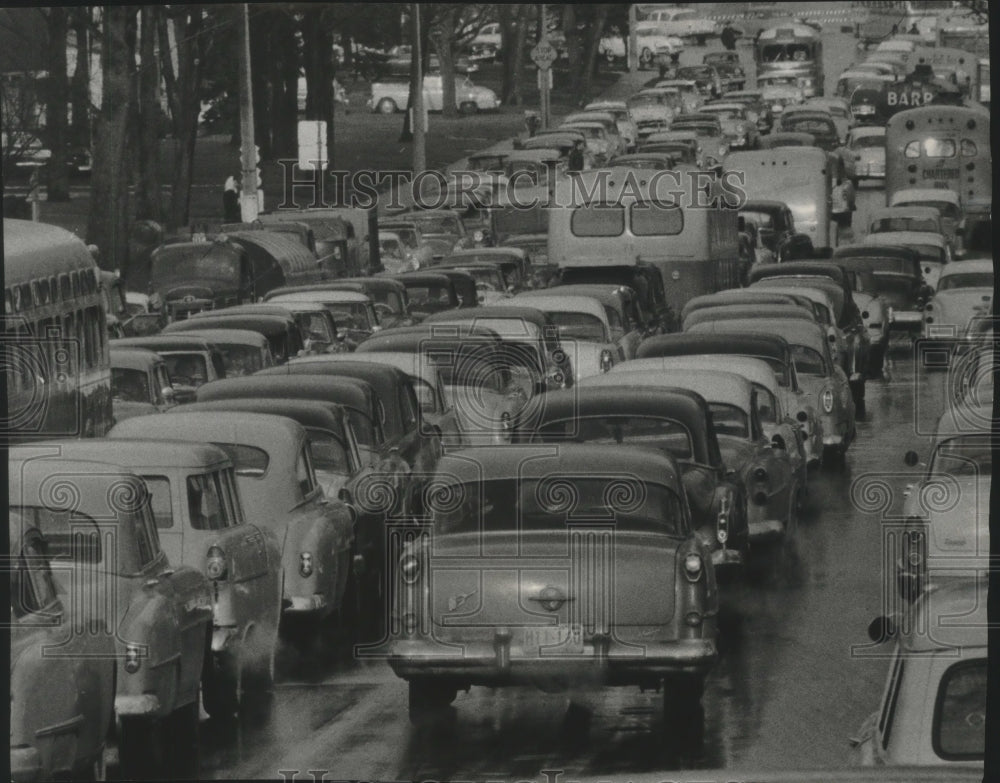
(945, 147)
(791, 51)
(55, 342)
(675, 221)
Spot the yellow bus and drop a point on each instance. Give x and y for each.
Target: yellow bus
(55, 341)
(674, 220)
(946, 147)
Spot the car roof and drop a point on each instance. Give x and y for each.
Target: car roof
(350, 392)
(737, 296)
(608, 294)
(716, 386)
(320, 296)
(267, 324)
(424, 278)
(141, 455)
(410, 339)
(687, 343)
(796, 268)
(231, 337)
(754, 370)
(280, 437)
(749, 310)
(764, 205)
(514, 312)
(29, 481)
(795, 331)
(412, 364)
(554, 302)
(907, 237)
(309, 413)
(473, 465)
(967, 265)
(125, 357)
(165, 342)
(876, 251)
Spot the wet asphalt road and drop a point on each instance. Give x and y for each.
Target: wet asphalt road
(787, 693)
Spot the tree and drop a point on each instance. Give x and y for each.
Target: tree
(148, 201)
(407, 133)
(182, 96)
(318, 59)
(595, 33)
(452, 26)
(56, 103)
(79, 88)
(107, 223)
(513, 21)
(20, 114)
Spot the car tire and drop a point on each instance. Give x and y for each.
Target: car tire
(222, 684)
(429, 699)
(140, 749)
(387, 106)
(876, 362)
(468, 107)
(683, 713)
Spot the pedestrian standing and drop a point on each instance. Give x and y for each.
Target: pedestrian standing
(231, 201)
(728, 37)
(575, 160)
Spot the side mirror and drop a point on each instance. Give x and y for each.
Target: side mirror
(777, 442)
(911, 458)
(881, 629)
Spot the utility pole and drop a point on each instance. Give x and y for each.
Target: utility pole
(633, 41)
(417, 120)
(249, 208)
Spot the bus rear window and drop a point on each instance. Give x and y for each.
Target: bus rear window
(598, 220)
(931, 148)
(656, 219)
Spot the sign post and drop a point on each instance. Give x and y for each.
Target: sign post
(543, 55)
(312, 144)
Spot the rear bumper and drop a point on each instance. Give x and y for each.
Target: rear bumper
(25, 764)
(910, 320)
(306, 604)
(727, 558)
(146, 704)
(766, 530)
(609, 661)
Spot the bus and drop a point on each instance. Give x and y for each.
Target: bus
(674, 220)
(55, 343)
(791, 51)
(881, 19)
(944, 147)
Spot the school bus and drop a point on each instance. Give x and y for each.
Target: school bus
(802, 177)
(945, 147)
(675, 220)
(55, 343)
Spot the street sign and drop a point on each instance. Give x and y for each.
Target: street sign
(543, 55)
(312, 144)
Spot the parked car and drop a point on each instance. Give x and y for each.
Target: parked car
(53, 698)
(772, 349)
(243, 351)
(964, 292)
(430, 292)
(931, 247)
(191, 361)
(652, 110)
(899, 277)
(659, 623)
(683, 22)
(162, 611)
(731, 72)
(391, 97)
(140, 383)
(277, 482)
(201, 523)
(933, 708)
(653, 43)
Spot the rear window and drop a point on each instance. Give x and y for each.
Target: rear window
(207, 505)
(328, 452)
(129, 385)
(959, 732)
(966, 280)
(656, 219)
(868, 142)
(808, 361)
(598, 220)
(248, 460)
(729, 420)
(652, 432)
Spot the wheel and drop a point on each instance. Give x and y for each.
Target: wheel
(468, 107)
(387, 106)
(428, 699)
(683, 714)
(140, 749)
(222, 684)
(645, 58)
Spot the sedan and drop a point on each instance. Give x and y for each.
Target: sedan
(867, 144)
(964, 292)
(528, 621)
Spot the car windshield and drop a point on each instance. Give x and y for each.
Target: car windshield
(813, 126)
(903, 224)
(808, 361)
(211, 263)
(511, 505)
(652, 432)
(580, 326)
(963, 455)
(965, 280)
(186, 369)
(946, 208)
(240, 360)
(931, 253)
(761, 219)
(350, 315)
(130, 385)
(428, 297)
(868, 142)
(960, 717)
(729, 420)
(442, 225)
(408, 236)
(328, 452)
(391, 248)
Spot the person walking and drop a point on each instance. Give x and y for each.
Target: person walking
(728, 37)
(231, 201)
(575, 158)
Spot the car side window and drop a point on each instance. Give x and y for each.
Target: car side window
(160, 501)
(232, 495)
(408, 408)
(304, 473)
(206, 503)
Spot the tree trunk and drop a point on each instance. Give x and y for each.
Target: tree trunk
(149, 205)
(107, 223)
(80, 83)
(56, 104)
(443, 42)
(265, 70)
(508, 15)
(593, 43)
(319, 73)
(520, 44)
(347, 43)
(573, 47)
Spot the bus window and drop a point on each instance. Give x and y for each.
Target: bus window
(598, 220)
(969, 149)
(912, 149)
(656, 219)
(939, 148)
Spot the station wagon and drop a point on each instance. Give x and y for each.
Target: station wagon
(277, 482)
(528, 621)
(200, 521)
(162, 611)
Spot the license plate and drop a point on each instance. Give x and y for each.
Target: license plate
(560, 638)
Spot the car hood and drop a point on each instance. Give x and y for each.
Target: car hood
(644, 113)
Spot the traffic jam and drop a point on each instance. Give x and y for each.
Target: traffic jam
(560, 475)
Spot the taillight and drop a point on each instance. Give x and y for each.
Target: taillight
(607, 361)
(409, 569)
(759, 474)
(305, 564)
(132, 659)
(827, 400)
(693, 566)
(215, 564)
